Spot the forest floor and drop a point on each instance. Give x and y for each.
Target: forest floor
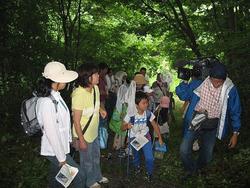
(23, 167)
(115, 169)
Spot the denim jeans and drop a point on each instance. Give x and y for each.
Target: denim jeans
(79, 180)
(90, 162)
(207, 139)
(148, 156)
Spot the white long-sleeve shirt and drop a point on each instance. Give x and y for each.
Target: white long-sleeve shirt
(56, 126)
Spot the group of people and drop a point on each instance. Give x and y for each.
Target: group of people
(56, 125)
(132, 109)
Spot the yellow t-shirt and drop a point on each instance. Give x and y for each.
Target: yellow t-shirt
(84, 100)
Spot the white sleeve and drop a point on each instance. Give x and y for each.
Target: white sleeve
(126, 118)
(152, 117)
(51, 128)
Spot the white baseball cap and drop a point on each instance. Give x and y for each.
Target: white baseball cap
(57, 72)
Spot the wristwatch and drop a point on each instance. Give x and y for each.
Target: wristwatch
(236, 132)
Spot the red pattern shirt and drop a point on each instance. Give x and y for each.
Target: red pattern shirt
(210, 100)
(102, 88)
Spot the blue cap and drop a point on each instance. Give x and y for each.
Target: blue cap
(218, 71)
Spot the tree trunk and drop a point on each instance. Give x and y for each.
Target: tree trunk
(185, 27)
(232, 56)
(78, 34)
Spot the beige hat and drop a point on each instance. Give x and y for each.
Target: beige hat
(57, 72)
(140, 79)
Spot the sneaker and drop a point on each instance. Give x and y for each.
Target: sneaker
(104, 180)
(137, 170)
(130, 151)
(95, 185)
(109, 156)
(196, 146)
(122, 154)
(149, 178)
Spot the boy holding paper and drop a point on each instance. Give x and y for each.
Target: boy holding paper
(138, 129)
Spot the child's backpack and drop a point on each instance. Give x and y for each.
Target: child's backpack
(29, 120)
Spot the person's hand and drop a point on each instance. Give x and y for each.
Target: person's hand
(233, 141)
(83, 145)
(62, 163)
(129, 126)
(161, 141)
(103, 113)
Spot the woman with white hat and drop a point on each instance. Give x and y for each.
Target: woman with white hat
(54, 117)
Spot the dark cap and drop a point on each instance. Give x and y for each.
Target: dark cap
(218, 71)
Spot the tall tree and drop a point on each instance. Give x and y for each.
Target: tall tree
(69, 12)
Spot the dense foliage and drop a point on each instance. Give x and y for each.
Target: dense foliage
(126, 35)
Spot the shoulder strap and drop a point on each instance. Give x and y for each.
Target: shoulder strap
(160, 88)
(54, 102)
(132, 120)
(148, 115)
(87, 124)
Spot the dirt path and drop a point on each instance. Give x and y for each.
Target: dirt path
(115, 169)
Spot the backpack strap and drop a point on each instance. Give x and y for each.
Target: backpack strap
(132, 120)
(148, 114)
(161, 89)
(54, 102)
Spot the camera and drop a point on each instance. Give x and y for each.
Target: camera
(200, 69)
(184, 73)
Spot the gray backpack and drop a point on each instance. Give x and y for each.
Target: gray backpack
(29, 120)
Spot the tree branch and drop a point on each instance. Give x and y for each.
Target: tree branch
(164, 15)
(186, 28)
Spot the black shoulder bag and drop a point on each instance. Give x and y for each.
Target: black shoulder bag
(200, 121)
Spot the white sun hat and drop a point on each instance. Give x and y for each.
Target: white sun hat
(147, 89)
(119, 76)
(57, 72)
